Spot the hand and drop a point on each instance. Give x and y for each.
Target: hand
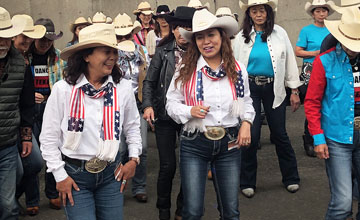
(39, 98)
(149, 117)
(125, 172)
(64, 188)
(26, 148)
(244, 136)
(199, 111)
(294, 102)
(315, 53)
(322, 151)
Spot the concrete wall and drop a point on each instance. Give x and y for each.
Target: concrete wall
(291, 14)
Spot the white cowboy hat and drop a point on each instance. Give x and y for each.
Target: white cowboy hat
(224, 11)
(94, 36)
(271, 3)
(124, 25)
(203, 20)
(143, 7)
(318, 4)
(99, 18)
(79, 21)
(346, 30)
(8, 27)
(344, 5)
(30, 30)
(197, 4)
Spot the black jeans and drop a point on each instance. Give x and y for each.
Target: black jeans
(276, 122)
(166, 132)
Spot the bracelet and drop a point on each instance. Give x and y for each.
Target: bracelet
(295, 92)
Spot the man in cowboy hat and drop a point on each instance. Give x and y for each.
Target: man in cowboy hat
(16, 112)
(332, 107)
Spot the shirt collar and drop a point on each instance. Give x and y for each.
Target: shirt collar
(82, 81)
(202, 62)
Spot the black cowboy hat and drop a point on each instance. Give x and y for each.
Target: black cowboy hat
(161, 11)
(50, 28)
(182, 15)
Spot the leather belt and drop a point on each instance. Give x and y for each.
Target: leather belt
(72, 161)
(213, 132)
(93, 165)
(261, 80)
(357, 123)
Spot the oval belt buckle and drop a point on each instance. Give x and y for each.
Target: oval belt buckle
(357, 123)
(214, 133)
(95, 165)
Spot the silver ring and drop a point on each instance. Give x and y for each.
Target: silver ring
(202, 110)
(147, 119)
(123, 182)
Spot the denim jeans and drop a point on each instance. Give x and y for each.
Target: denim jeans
(8, 164)
(138, 183)
(195, 153)
(166, 132)
(29, 167)
(276, 121)
(99, 197)
(342, 157)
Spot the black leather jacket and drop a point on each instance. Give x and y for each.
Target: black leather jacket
(158, 78)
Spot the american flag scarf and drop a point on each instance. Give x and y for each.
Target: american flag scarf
(193, 92)
(109, 135)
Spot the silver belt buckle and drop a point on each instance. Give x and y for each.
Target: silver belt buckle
(95, 165)
(214, 133)
(357, 123)
(258, 83)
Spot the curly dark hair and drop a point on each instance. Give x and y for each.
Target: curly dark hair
(248, 23)
(192, 55)
(50, 53)
(76, 66)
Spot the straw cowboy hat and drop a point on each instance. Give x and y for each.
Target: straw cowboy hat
(94, 36)
(9, 28)
(318, 4)
(271, 3)
(347, 30)
(161, 11)
(203, 20)
(79, 21)
(197, 4)
(344, 5)
(30, 30)
(124, 25)
(143, 7)
(224, 11)
(99, 18)
(50, 28)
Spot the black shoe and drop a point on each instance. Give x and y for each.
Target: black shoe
(309, 146)
(164, 214)
(141, 197)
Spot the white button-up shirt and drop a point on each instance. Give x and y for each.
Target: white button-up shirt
(55, 125)
(217, 95)
(283, 60)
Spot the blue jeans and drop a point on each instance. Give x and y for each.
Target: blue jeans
(138, 183)
(99, 197)
(342, 157)
(8, 164)
(195, 153)
(276, 120)
(29, 167)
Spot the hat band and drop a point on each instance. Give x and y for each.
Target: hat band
(29, 30)
(5, 28)
(347, 36)
(50, 32)
(144, 9)
(124, 26)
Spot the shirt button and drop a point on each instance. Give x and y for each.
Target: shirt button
(219, 122)
(333, 77)
(351, 122)
(350, 138)
(218, 106)
(352, 96)
(351, 109)
(349, 70)
(350, 83)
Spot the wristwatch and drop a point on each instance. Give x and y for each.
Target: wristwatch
(136, 159)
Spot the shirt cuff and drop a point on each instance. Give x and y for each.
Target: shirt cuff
(60, 174)
(319, 139)
(134, 151)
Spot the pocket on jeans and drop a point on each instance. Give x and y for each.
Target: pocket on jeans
(72, 169)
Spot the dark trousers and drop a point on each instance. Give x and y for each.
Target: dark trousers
(276, 122)
(166, 132)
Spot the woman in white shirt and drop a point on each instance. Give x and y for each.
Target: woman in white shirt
(266, 51)
(83, 120)
(209, 97)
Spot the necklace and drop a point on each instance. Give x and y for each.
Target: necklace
(355, 66)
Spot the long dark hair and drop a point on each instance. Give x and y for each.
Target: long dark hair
(76, 66)
(139, 20)
(171, 37)
(51, 53)
(247, 24)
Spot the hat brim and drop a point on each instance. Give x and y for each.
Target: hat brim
(244, 6)
(309, 7)
(227, 23)
(171, 18)
(37, 33)
(73, 26)
(333, 27)
(155, 16)
(54, 36)
(146, 12)
(339, 9)
(16, 29)
(125, 31)
(127, 45)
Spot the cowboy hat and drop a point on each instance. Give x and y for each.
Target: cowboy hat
(344, 5)
(99, 18)
(161, 11)
(143, 7)
(182, 15)
(271, 3)
(204, 20)
(309, 7)
(97, 35)
(9, 28)
(79, 21)
(50, 28)
(124, 25)
(30, 30)
(224, 11)
(197, 4)
(346, 30)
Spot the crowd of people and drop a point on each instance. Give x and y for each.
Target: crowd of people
(187, 75)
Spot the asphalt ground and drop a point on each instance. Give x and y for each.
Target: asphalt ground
(271, 201)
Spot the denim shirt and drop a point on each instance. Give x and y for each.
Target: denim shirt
(329, 103)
